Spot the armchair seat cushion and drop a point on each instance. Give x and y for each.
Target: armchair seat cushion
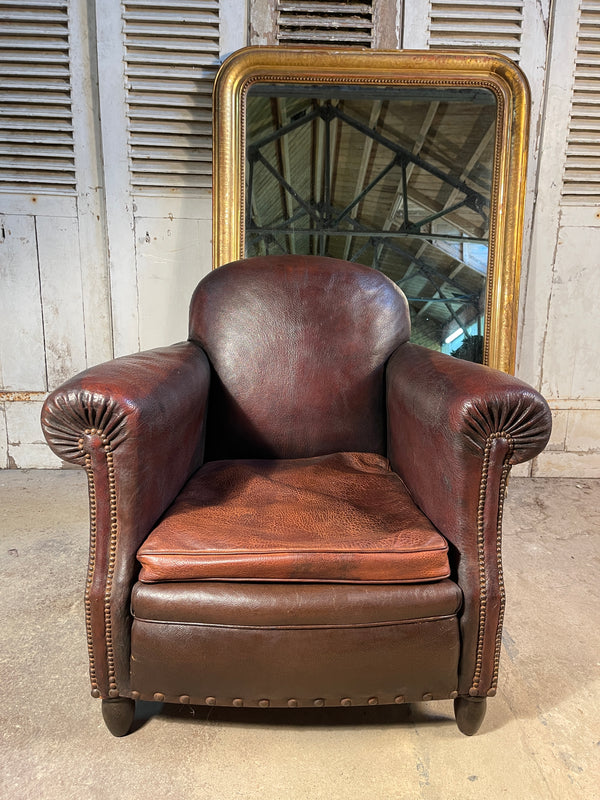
(343, 517)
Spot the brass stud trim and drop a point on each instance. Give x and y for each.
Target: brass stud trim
(264, 703)
(158, 697)
(503, 487)
(427, 696)
(135, 695)
(91, 569)
(372, 701)
(319, 701)
(211, 701)
(238, 702)
(112, 557)
(113, 537)
(292, 702)
(399, 699)
(345, 701)
(475, 685)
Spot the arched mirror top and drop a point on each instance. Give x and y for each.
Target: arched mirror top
(412, 162)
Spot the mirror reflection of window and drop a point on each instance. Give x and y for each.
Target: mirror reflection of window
(397, 179)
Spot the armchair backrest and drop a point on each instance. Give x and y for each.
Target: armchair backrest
(298, 346)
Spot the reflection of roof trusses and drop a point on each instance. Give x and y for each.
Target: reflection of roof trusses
(401, 184)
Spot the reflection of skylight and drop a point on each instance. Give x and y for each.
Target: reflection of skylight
(457, 338)
(475, 255)
(453, 336)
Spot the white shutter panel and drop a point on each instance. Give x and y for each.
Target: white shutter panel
(324, 22)
(581, 183)
(36, 131)
(172, 55)
(485, 24)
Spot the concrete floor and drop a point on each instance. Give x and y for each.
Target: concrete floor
(540, 739)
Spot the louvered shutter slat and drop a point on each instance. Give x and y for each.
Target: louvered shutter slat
(8, 148)
(172, 53)
(475, 6)
(317, 36)
(325, 7)
(318, 22)
(33, 124)
(493, 25)
(36, 137)
(36, 132)
(167, 16)
(581, 180)
(45, 4)
(170, 144)
(15, 57)
(174, 7)
(179, 154)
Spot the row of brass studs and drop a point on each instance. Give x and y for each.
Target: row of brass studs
(481, 551)
(319, 702)
(503, 486)
(91, 568)
(112, 491)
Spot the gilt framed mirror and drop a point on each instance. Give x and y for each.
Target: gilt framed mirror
(410, 162)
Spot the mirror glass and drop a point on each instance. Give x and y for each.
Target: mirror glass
(396, 178)
(411, 162)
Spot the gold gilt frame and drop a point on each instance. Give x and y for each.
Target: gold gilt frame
(349, 66)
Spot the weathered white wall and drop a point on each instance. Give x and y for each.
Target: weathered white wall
(104, 271)
(560, 329)
(42, 332)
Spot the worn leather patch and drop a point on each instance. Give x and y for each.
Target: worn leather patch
(339, 517)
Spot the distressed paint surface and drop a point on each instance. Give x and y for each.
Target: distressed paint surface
(117, 179)
(570, 358)
(22, 361)
(60, 275)
(3, 439)
(559, 335)
(93, 251)
(172, 256)
(27, 448)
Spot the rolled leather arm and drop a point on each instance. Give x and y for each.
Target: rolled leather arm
(136, 424)
(454, 430)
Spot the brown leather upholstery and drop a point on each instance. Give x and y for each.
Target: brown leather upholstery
(476, 422)
(258, 319)
(299, 374)
(318, 644)
(344, 517)
(288, 605)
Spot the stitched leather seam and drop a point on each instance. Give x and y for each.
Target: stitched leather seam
(240, 553)
(308, 626)
(481, 555)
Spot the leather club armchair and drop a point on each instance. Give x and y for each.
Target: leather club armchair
(296, 507)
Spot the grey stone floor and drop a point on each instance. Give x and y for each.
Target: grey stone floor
(540, 739)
